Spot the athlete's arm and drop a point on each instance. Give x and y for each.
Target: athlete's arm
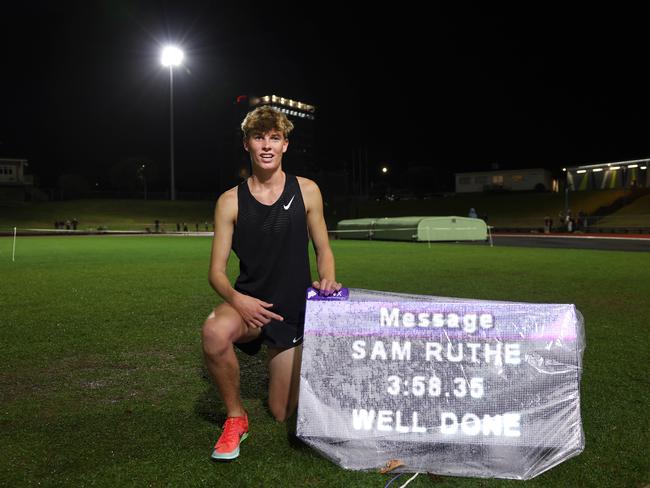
(318, 233)
(253, 311)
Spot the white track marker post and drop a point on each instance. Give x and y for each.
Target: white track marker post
(428, 237)
(13, 252)
(489, 228)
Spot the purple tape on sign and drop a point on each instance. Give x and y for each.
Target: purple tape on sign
(314, 294)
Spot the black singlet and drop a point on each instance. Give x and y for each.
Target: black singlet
(271, 242)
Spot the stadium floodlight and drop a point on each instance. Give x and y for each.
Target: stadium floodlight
(614, 168)
(632, 165)
(580, 171)
(171, 56)
(384, 169)
(643, 167)
(597, 170)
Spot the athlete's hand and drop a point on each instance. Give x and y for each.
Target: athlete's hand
(254, 312)
(326, 287)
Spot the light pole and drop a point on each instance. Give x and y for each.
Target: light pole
(141, 175)
(384, 181)
(566, 191)
(171, 56)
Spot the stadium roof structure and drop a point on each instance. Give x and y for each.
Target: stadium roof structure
(634, 163)
(618, 174)
(286, 105)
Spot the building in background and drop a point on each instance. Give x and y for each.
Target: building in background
(14, 183)
(608, 176)
(538, 179)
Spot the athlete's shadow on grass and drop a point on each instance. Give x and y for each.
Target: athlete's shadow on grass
(253, 386)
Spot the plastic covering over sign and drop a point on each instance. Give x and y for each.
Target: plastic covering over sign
(442, 385)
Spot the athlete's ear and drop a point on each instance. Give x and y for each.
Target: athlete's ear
(285, 145)
(245, 140)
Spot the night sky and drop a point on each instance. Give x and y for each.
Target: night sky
(82, 88)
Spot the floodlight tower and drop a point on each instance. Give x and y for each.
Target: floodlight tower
(171, 56)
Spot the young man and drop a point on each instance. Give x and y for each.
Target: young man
(267, 220)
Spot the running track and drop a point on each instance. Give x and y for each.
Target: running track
(603, 242)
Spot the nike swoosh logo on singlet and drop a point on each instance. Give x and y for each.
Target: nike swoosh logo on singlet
(286, 207)
(296, 339)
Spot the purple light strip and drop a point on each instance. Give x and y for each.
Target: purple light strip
(518, 322)
(423, 334)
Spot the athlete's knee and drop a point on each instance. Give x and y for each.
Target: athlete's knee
(282, 409)
(280, 412)
(216, 337)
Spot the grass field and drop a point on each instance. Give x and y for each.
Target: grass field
(102, 381)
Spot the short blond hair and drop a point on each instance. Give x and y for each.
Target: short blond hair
(264, 119)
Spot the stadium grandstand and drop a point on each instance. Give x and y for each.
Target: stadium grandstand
(621, 174)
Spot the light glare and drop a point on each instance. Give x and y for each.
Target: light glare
(171, 56)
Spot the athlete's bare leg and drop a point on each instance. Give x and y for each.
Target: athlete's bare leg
(284, 379)
(223, 327)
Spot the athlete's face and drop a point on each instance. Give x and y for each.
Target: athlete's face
(266, 149)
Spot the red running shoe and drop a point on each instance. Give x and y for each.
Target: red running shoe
(235, 430)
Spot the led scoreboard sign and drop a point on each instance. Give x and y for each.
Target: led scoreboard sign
(447, 386)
